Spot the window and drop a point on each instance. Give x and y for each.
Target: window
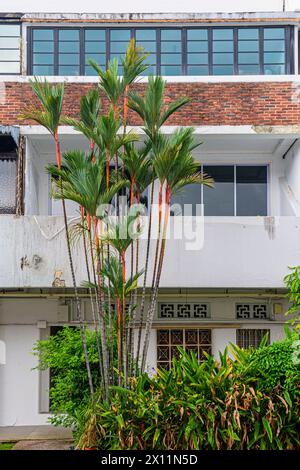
(250, 338)
(197, 341)
(8, 175)
(9, 48)
(172, 51)
(239, 190)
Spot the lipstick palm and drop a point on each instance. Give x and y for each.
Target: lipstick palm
(84, 182)
(175, 169)
(120, 235)
(48, 115)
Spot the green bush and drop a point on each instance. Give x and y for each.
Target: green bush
(226, 404)
(63, 355)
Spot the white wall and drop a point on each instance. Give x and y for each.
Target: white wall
(138, 6)
(19, 384)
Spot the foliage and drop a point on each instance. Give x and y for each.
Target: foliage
(226, 404)
(63, 355)
(292, 282)
(6, 445)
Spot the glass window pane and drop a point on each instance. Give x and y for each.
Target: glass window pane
(251, 190)
(197, 59)
(118, 47)
(9, 43)
(170, 35)
(68, 47)
(43, 34)
(274, 33)
(197, 70)
(148, 46)
(9, 30)
(43, 59)
(248, 33)
(68, 70)
(222, 34)
(151, 59)
(8, 176)
(151, 70)
(95, 47)
(170, 58)
(171, 47)
(274, 57)
(223, 58)
(219, 200)
(197, 34)
(120, 34)
(145, 34)
(274, 69)
(68, 35)
(170, 70)
(99, 58)
(94, 34)
(9, 54)
(248, 58)
(197, 46)
(66, 59)
(91, 71)
(248, 46)
(43, 70)
(223, 70)
(223, 46)
(9, 67)
(43, 46)
(185, 202)
(276, 45)
(249, 70)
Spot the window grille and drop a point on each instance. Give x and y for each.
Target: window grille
(250, 338)
(197, 341)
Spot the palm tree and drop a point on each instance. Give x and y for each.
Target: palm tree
(84, 181)
(48, 115)
(154, 112)
(120, 235)
(175, 168)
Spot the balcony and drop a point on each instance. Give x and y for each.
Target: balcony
(239, 252)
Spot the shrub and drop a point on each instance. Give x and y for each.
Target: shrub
(63, 355)
(214, 405)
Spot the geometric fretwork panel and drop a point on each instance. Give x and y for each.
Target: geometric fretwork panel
(193, 340)
(187, 311)
(243, 311)
(260, 311)
(252, 311)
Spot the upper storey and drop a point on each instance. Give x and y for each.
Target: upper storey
(178, 44)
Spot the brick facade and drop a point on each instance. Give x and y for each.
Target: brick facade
(241, 103)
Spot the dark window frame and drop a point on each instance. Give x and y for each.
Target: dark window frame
(288, 40)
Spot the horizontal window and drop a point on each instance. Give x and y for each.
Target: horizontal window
(10, 48)
(238, 190)
(178, 51)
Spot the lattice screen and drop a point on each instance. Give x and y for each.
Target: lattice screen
(168, 340)
(183, 310)
(252, 311)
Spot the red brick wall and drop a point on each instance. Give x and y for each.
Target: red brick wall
(253, 103)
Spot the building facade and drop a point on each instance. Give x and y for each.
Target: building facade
(241, 72)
